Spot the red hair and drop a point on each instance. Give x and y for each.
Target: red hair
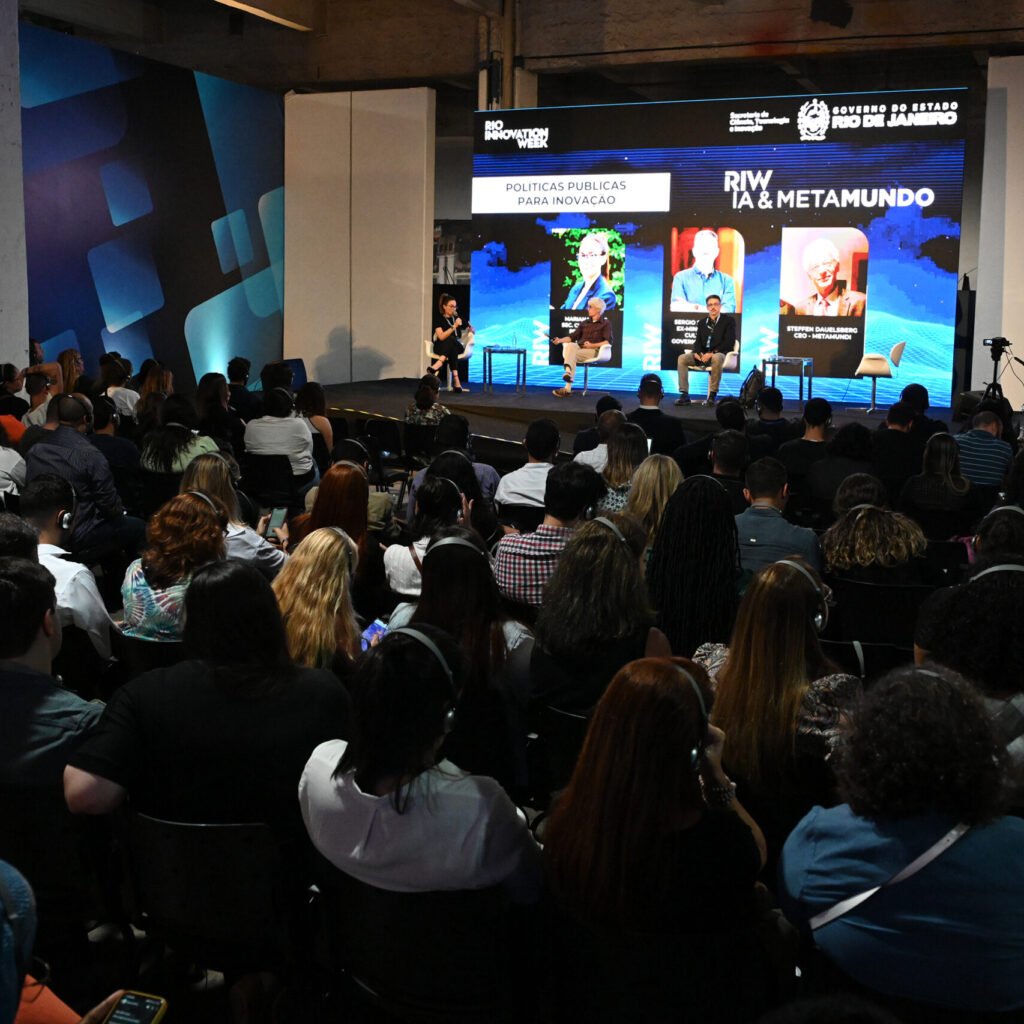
(183, 535)
(634, 784)
(340, 501)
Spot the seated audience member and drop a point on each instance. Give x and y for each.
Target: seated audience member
(277, 375)
(896, 451)
(425, 409)
(15, 430)
(12, 465)
(665, 432)
(985, 459)
(848, 452)
(439, 504)
(587, 438)
(65, 451)
(525, 486)
(597, 457)
(594, 617)
(916, 396)
(12, 380)
(764, 535)
(459, 595)
(147, 417)
(770, 423)
(314, 593)
(779, 699)
(694, 456)
(278, 432)
(183, 535)
(649, 838)
(948, 934)
(453, 435)
(48, 505)
(177, 441)
(800, 454)
(214, 474)
(155, 378)
(627, 448)
(729, 451)
(245, 403)
(42, 722)
(114, 375)
(383, 808)
(221, 737)
(654, 482)
(523, 563)
(122, 455)
(311, 405)
(939, 499)
(216, 420)
(694, 568)
(380, 513)
(39, 391)
(482, 517)
(868, 542)
(341, 500)
(18, 539)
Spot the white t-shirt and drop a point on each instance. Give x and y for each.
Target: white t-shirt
(281, 435)
(457, 831)
(78, 598)
(524, 486)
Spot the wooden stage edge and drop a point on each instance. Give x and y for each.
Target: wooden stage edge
(506, 413)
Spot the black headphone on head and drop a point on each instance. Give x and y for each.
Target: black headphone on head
(209, 501)
(448, 722)
(65, 518)
(62, 415)
(351, 547)
(820, 617)
(697, 752)
(359, 444)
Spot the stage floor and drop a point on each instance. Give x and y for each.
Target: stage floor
(506, 413)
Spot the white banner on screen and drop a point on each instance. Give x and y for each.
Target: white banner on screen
(560, 193)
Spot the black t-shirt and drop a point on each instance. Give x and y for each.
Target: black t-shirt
(12, 405)
(798, 456)
(188, 746)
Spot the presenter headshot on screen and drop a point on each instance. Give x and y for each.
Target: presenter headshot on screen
(584, 344)
(830, 297)
(691, 287)
(447, 335)
(592, 260)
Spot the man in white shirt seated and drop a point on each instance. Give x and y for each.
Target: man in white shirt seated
(525, 486)
(48, 505)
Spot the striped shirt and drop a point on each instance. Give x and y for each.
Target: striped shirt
(984, 459)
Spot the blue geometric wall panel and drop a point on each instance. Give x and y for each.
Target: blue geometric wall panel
(233, 241)
(127, 192)
(52, 347)
(67, 130)
(126, 281)
(132, 342)
(57, 66)
(272, 220)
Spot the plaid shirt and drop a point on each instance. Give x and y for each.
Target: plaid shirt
(524, 562)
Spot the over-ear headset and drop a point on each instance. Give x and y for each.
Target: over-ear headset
(354, 465)
(820, 617)
(359, 444)
(460, 541)
(209, 501)
(605, 521)
(67, 518)
(64, 416)
(421, 638)
(995, 511)
(351, 546)
(1005, 567)
(456, 451)
(698, 749)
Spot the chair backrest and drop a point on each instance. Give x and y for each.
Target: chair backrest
(525, 518)
(879, 613)
(560, 736)
(267, 479)
(215, 892)
(138, 655)
(321, 456)
(419, 438)
(157, 489)
(897, 353)
(386, 435)
(440, 951)
(78, 664)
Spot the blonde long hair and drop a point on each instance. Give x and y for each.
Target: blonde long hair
(314, 594)
(654, 482)
(213, 474)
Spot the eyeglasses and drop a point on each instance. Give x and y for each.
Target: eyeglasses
(818, 267)
(592, 255)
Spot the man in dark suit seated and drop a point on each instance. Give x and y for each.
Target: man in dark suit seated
(666, 432)
(716, 338)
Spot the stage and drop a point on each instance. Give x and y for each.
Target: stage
(505, 414)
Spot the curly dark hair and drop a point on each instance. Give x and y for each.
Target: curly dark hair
(922, 742)
(183, 535)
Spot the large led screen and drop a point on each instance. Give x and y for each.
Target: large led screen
(829, 227)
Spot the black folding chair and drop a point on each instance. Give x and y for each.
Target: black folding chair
(877, 613)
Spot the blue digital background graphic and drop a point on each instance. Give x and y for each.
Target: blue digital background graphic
(154, 208)
(913, 254)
